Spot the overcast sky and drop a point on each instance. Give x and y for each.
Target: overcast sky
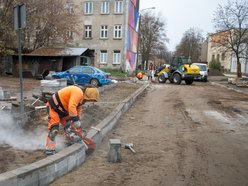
(180, 15)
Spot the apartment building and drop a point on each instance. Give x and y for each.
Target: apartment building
(109, 29)
(217, 52)
(226, 57)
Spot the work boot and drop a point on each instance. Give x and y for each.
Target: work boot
(50, 146)
(50, 152)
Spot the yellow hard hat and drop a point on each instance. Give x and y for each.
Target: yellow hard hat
(91, 94)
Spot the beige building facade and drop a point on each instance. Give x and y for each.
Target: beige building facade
(217, 52)
(104, 28)
(226, 57)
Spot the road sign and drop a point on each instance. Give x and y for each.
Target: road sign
(19, 17)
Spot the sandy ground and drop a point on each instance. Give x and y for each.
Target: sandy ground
(20, 146)
(183, 135)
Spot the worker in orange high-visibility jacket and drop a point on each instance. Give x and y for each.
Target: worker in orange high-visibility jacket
(64, 107)
(140, 75)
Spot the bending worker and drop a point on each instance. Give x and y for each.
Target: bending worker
(65, 107)
(140, 75)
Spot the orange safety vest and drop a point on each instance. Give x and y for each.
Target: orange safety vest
(140, 75)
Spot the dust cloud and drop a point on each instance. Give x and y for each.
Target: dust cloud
(11, 134)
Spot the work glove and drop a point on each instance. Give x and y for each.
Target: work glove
(77, 124)
(77, 128)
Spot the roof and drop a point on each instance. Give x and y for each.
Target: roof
(57, 52)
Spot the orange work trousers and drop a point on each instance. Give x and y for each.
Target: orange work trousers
(54, 118)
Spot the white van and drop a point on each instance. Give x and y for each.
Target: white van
(203, 71)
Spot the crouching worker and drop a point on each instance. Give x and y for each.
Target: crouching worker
(65, 108)
(140, 75)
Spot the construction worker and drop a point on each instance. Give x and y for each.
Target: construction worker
(151, 72)
(140, 75)
(65, 108)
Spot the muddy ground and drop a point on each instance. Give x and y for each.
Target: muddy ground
(183, 136)
(13, 156)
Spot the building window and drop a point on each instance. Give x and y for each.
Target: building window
(103, 56)
(117, 31)
(88, 31)
(118, 7)
(218, 57)
(69, 8)
(70, 34)
(88, 8)
(223, 56)
(213, 57)
(117, 57)
(104, 32)
(105, 7)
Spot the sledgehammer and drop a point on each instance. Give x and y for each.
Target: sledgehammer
(130, 147)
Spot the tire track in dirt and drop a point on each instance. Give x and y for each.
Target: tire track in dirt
(190, 150)
(176, 143)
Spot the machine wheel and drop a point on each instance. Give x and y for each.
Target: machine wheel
(189, 81)
(95, 82)
(161, 78)
(177, 79)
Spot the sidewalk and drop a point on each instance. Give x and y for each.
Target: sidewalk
(223, 82)
(234, 75)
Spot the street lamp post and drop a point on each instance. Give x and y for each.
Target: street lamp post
(139, 34)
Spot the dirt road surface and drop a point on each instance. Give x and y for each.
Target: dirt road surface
(183, 136)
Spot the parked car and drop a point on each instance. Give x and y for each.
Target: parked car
(84, 75)
(203, 72)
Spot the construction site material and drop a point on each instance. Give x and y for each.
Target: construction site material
(130, 147)
(114, 154)
(5, 95)
(51, 86)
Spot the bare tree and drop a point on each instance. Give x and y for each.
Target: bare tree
(190, 44)
(7, 34)
(153, 36)
(231, 20)
(49, 23)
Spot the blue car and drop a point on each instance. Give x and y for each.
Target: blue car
(82, 75)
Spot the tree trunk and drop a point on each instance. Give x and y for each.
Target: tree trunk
(239, 73)
(142, 65)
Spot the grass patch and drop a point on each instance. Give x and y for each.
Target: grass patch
(115, 73)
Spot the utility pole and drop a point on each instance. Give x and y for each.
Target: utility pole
(19, 24)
